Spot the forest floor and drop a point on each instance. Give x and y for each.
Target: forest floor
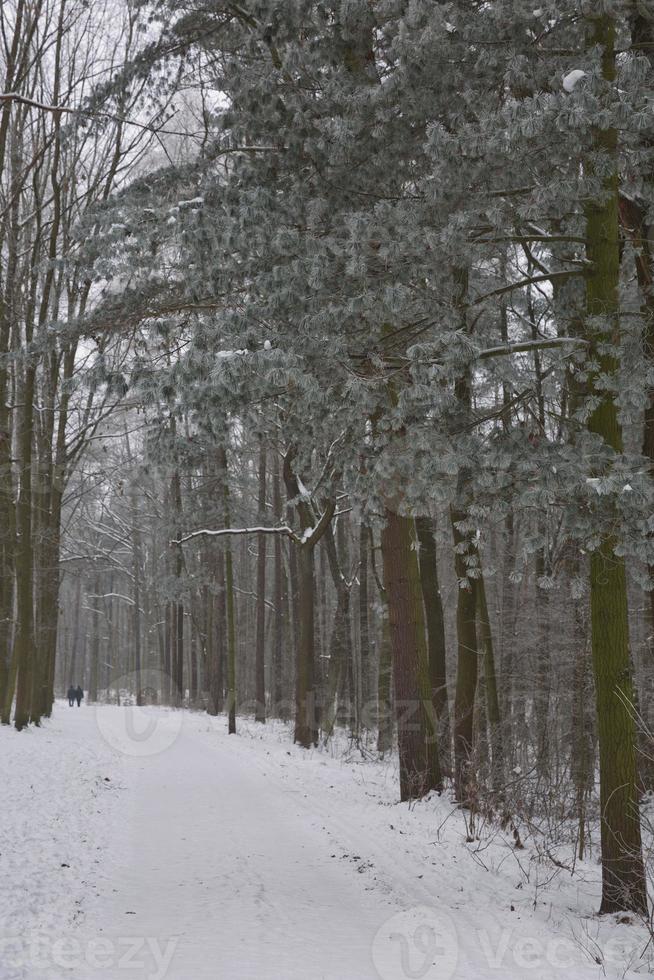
(147, 843)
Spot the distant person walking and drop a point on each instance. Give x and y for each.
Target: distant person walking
(71, 696)
(79, 694)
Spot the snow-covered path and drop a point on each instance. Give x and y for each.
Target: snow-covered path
(147, 844)
(232, 869)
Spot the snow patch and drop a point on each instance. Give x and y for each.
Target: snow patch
(572, 78)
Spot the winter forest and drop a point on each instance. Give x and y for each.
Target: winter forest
(326, 489)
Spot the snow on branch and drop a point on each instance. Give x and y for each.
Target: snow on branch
(111, 595)
(310, 535)
(529, 345)
(221, 532)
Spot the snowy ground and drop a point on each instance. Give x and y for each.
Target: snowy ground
(147, 843)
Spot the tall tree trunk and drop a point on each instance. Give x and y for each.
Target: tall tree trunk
(216, 627)
(417, 735)
(168, 652)
(306, 727)
(339, 695)
(24, 559)
(435, 633)
(137, 564)
(178, 605)
(507, 637)
(543, 670)
(221, 632)
(384, 715)
(7, 549)
(350, 691)
(365, 657)
(230, 610)
(136, 571)
(278, 590)
(95, 642)
(180, 689)
(623, 876)
(384, 686)
(637, 224)
(338, 654)
(467, 666)
(260, 653)
(490, 687)
(73, 666)
(194, 656)
(306, 708)
(581, 749)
